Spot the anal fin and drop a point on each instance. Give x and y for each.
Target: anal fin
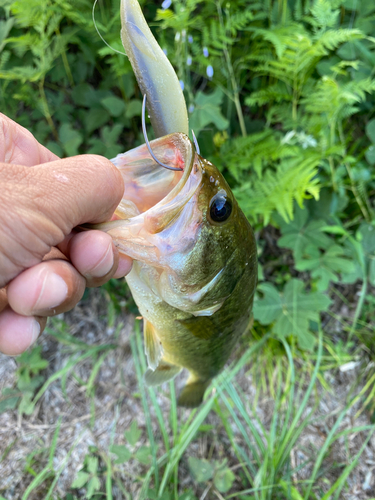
(164, 372)
(153, 347)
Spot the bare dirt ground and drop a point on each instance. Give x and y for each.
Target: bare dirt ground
(25, 441)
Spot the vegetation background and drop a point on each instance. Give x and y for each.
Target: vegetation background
(281, 97)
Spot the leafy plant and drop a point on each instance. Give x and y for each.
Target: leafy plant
(29, 380)
(88, 476)
(142, 453)
(294, 311)
(218, 472)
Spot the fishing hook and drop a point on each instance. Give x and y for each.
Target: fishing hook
(147, 141)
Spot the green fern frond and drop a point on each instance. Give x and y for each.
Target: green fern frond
(332, 39)
(293, 180)
(279, 37)
(324, 15)
(336, 100)
(239, 21)
(271, 94)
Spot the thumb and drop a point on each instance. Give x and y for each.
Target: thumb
(40, 205)
(79, 189)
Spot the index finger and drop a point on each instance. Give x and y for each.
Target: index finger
(18, 146)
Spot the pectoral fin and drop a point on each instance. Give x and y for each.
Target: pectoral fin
(163, 373)
(153, 347)
(202, 327)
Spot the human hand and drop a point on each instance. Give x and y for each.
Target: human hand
(42, 200)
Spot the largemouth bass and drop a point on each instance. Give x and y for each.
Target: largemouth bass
(195, 264)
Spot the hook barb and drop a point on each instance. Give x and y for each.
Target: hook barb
(147, 141)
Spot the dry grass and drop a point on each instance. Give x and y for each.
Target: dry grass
(101, 419)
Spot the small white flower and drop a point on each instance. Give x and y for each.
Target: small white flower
(210, 71)
(288, 136)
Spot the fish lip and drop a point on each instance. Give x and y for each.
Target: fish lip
(168, 209)
(186, 171)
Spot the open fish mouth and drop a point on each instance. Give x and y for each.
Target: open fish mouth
(159, 213)
(146, 183)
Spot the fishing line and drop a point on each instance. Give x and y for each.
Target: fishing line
(351, 24)
(98, 32)
(147, 141)
(195, 143)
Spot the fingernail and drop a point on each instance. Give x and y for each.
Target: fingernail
(53, 292)
(18, 333)
(104, 265)
(124, 267)
(35, 331)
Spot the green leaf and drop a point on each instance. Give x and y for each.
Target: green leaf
(370, 154)
(133, 434)
(143, 455)
(370, 130)
(298, 234)
(290, 490)
(366, 233)
(324, 266)
(292, 311)
(267, 309)
(26, 405)
(329, 203)
(114, 105)
(207, 110)
(55, 148)
(93, 485)
(9, 400)
(92, 464)
(81, 479)
(122, 452)
(84, 95)
(95, 118)
(5, 27)
(111, 134)
(32, 361)
(187, 495)
(71, 139)
(371, 275)
(133, 108)
(202, 470)
(299, 308)
(224, 479)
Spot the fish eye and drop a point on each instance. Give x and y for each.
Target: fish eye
(220, 207)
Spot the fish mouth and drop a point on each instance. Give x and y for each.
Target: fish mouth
(158, 214)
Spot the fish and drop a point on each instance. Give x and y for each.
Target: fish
(195, 259)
